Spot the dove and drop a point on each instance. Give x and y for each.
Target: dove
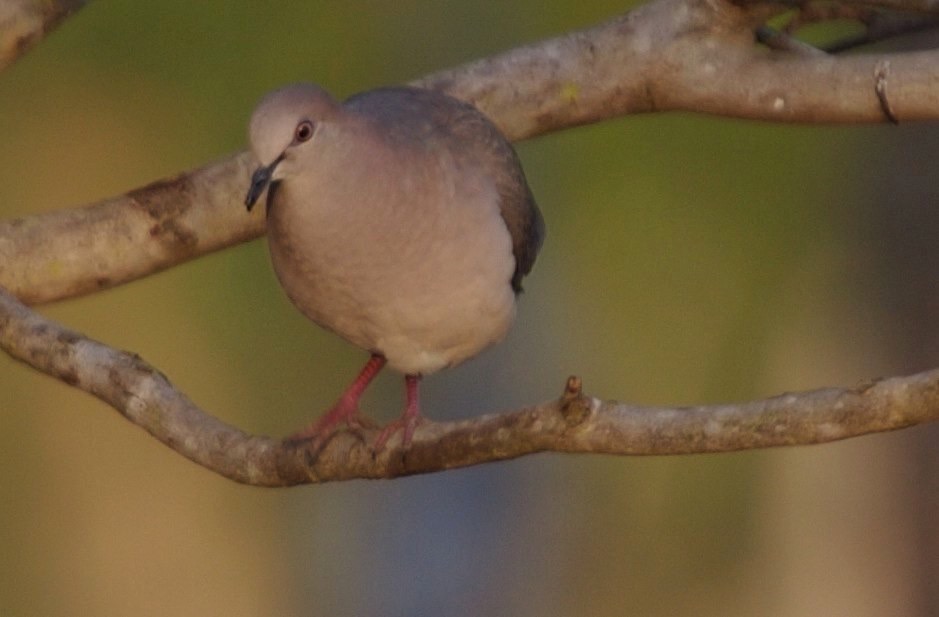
(399, 219)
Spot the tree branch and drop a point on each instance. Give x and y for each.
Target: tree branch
(23, 23)
(784, 41)
(67, 253)
(691, 55)
(880, 27)
(574, 423)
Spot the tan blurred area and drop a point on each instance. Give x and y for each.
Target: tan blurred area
(688, 260)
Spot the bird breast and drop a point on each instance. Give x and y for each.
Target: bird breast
(401, 251)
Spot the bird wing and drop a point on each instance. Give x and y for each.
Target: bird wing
(427, 114)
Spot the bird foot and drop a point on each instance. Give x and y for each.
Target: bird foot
(319, 432)
(408, 420)
(407, 423)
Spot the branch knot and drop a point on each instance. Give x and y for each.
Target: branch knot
(575, 406)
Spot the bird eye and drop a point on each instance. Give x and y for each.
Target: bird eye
(303, 132)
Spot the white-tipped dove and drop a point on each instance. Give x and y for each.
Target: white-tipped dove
(400, 220)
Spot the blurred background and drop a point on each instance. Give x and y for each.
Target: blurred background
(688, 260)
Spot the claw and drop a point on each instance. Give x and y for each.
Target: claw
(345, 411)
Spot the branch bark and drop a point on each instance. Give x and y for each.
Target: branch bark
(23, 23)
(71, 252)
(693, 55)
(574, 423)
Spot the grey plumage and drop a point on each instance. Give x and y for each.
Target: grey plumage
(424, 114)
(400, 219)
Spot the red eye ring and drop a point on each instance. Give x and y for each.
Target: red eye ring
(303, 132)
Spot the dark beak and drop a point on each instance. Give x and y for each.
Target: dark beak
(260, 180)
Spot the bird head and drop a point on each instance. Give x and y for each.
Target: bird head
(284, 123)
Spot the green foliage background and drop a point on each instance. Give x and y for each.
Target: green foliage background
(688, 260)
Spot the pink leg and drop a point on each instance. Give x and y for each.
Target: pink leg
(346, 408)
(408, 420)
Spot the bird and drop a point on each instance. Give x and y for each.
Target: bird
(401, 220)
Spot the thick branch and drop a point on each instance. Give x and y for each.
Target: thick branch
(684, 55)
(693, 55)
(575, 423)
(72, 252)
(23, 23)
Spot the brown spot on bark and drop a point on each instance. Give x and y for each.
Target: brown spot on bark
(166, 202)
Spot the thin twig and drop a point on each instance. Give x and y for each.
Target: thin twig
(783, 41)
(882, 27)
